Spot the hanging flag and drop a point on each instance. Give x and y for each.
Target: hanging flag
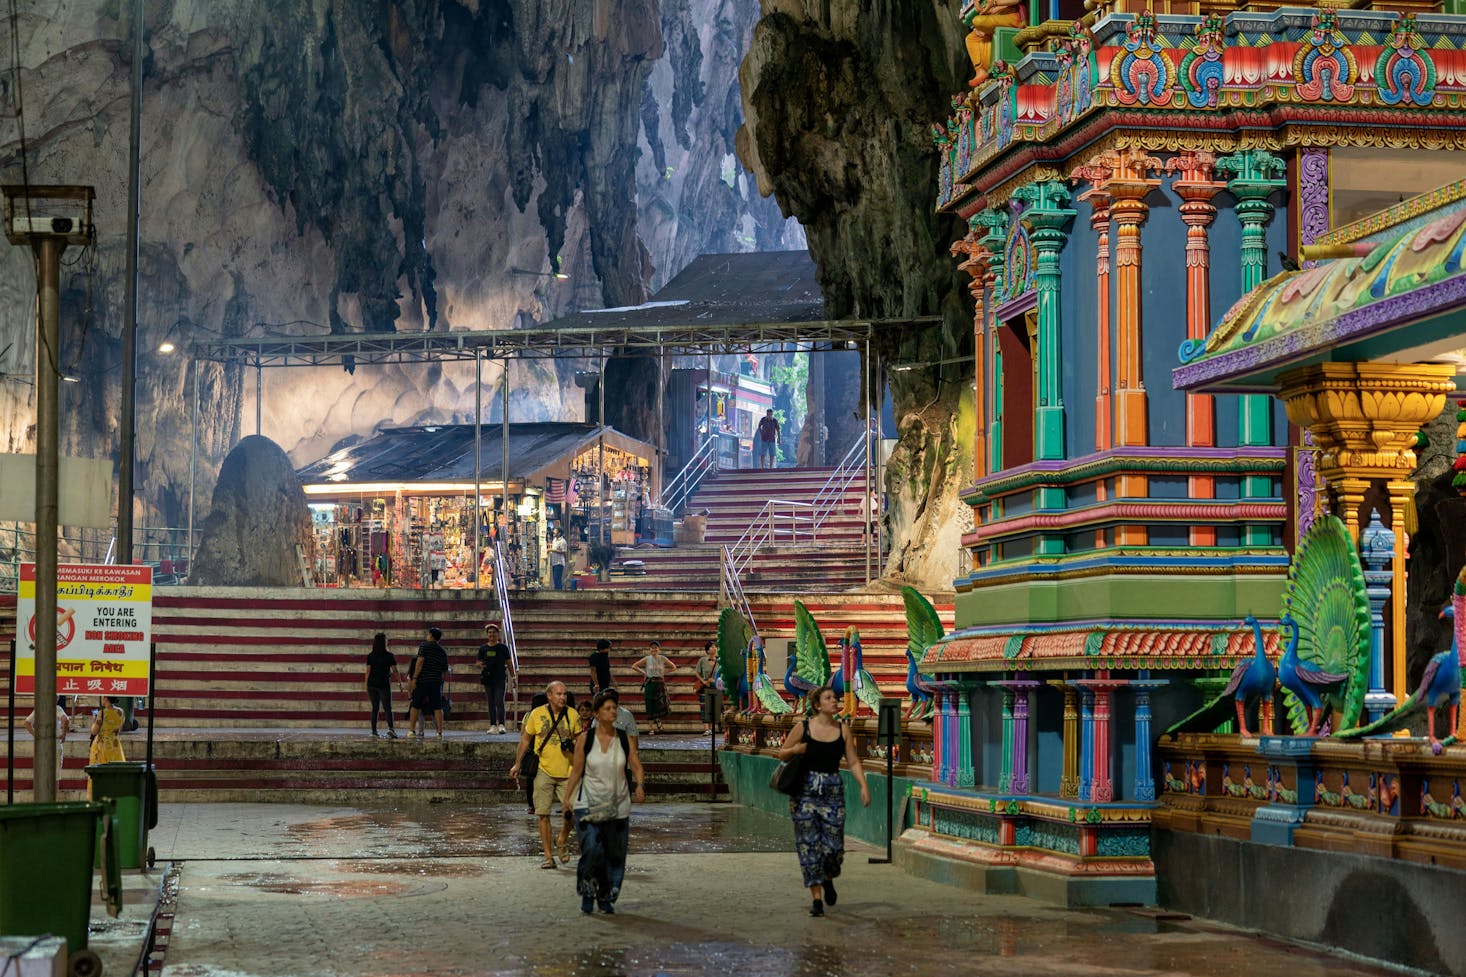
(555, 491)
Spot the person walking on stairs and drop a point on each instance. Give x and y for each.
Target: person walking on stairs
(494, 664)
(654, 669)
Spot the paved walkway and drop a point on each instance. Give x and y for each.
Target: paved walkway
(275, 890)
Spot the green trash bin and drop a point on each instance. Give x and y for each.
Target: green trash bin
(132, 790)
(46, 855)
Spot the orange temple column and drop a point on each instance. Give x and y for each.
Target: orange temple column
(1104, 413)
(975, 263)
(1127, 188)
(1196, 188)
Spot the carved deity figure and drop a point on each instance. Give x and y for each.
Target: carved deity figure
(991, 14)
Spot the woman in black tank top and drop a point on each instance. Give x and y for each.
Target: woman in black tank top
(818, 743)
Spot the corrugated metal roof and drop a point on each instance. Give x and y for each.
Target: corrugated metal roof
(444, 453)
(722, 290)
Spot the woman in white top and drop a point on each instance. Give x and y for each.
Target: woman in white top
(608, 776)
(654, 669)
(63, 726)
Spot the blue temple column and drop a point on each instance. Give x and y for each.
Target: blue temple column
(1291, 770)
(1377, 548)
(946, 699)
(1144, 775)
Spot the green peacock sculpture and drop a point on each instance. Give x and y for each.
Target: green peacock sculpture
(1326, 611)
(923, 629)
(733, 637)
(809, 664)
(1326, 599)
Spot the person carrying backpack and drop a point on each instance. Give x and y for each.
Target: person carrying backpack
(605, 777)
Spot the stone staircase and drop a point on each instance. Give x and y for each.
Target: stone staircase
(233, 664)
(832, 560)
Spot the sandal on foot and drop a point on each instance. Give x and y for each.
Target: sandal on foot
(548, 863)
(565, 853)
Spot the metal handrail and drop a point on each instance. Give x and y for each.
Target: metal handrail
(506, 620)
(764, 527)
(834, 488)
(733, 595)
(677, 491)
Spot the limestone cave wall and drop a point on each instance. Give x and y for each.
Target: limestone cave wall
(332, 166)
(839, 95)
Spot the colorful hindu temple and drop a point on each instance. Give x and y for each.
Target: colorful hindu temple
(1126, 177)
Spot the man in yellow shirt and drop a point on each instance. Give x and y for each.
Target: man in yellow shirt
(548, 733)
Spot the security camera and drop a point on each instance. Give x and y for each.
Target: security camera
(42, 225)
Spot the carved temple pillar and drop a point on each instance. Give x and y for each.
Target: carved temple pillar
(1257, 175)
(1086, 737)
(1100, 745)
(1363, 417)
(1069, 775)
(1099, 221)
(1047, 216)
(995, 223)
(1005, 778)
(975, 262)
(1018, 765)
(966, 772)
(1196, 188)
(1127, 187)
(1376, 550)
(1144, 778)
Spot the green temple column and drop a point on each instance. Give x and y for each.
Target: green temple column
(1257, 175)
(1047, 217)
(966, 773)
(1005, 779)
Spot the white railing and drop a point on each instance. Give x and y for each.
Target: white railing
(506, 621)
(732, 590)
(677, 491)
(786, 520)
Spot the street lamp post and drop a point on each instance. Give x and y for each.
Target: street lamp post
(47, 218)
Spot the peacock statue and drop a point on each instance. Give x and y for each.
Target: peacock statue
(1325, 595)
(860, 685)
(765, 697)
(733, 637)
(1252, 678)
(1306, 683)
(923, 629)
(1440, 684)
(809, 661)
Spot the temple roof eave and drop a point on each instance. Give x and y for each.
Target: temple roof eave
(1403, 300)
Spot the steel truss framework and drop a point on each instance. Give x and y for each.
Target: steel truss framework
(364, 349)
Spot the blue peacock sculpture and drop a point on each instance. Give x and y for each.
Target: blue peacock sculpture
(1440, 684)
(765, 698)
(860, 685)
(1307, 683)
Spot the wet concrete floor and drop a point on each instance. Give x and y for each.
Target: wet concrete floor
(270, 890)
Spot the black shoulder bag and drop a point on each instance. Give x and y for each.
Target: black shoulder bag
(788, 776)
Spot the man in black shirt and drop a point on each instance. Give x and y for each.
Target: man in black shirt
(426, 682)
(493, 659)
(600, 667)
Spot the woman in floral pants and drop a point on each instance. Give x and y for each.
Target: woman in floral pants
(819, 810)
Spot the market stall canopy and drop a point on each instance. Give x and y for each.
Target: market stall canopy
(1401, 300)
(440, 457)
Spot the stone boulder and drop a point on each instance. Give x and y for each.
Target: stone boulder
(258, 519)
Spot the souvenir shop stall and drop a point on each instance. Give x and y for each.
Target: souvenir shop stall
(398, 509)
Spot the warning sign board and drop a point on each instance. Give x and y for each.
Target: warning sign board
(104, 625)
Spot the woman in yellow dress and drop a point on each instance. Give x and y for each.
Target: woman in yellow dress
(106, 724)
